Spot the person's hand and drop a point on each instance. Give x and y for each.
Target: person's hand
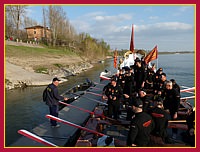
(66, 98)
(175, 116)
(126, 96)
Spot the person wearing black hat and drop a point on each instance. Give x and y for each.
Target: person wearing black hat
(157, 79)
(52, 100)
(172, 103)
(139, 75)
(175, 85)
(160, 117)
(114, 93)
(141, 126)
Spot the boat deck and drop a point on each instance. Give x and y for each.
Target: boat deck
(65, 135)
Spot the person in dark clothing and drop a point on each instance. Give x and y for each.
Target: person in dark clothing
(145, 100)
(156, 80)
(160, 117)
(175, 85)
(114, 93)
(120, 78)
(141, 126)
(129, 82)
(172, 103)
(53, 99)
(150, 78)
(189, 135)
(139, 75)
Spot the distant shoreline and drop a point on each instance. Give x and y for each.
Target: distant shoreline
(181, 52)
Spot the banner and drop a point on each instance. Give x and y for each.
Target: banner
(152, 55)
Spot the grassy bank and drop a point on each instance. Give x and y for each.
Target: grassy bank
(24, 51)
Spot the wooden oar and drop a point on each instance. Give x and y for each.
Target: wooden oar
(96, 94)
(186, 98)
(88, 111)
(85, 110)
(99, 83)
(176, 121)
(188, 89)
(91, 99)
(36, 138)
(95, 88)
(73, 125)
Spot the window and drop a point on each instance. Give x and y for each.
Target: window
(34, 32)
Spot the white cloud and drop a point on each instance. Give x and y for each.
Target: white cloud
(146, 35)
(153, 17)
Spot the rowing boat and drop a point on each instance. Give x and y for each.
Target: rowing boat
(119, 128)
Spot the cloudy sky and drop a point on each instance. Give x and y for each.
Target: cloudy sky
(170, 27)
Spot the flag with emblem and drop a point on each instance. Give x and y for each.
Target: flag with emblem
(152, 55)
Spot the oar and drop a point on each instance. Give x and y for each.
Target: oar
(73, 125)
(92, 113)
(185, 87)
(188, 89)
(176, 121)
(88, 111)
(36, 138)
(185, 98)
(95, 88)
(91, 99)
(96, 94)
(178, 126)
(99, 83)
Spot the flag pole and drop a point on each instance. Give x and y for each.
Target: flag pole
(157, 60)
(157, 64)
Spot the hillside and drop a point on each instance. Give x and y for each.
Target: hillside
(28, 65)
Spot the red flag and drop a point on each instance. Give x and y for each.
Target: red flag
(115, 59)
(152, 55)
(132, 40)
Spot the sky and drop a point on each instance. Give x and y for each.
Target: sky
(170, 27)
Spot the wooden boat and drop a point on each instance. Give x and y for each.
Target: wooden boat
(87, 126)
(97, 127)
(119, 128)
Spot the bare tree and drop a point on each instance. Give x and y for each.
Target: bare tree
(28, 22)
(14, 16)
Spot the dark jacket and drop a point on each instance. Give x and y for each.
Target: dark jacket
(160, 118)
(52, 95)
(140, 129)
(172, 100)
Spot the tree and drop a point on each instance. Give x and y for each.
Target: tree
(14, 14)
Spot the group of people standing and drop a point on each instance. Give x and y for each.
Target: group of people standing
(149, 98)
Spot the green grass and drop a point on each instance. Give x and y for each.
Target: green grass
(16, 51)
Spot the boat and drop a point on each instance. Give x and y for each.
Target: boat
(85, 124)
(91, 127)
(118, 129)
(79, 98)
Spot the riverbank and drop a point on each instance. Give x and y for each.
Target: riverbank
(35, 65)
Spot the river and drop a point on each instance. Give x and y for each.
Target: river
(24, 108)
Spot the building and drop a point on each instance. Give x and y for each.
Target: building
(38, 33)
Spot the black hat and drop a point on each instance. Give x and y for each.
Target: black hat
(164, 74)
(159, 101)
(172, 80)
(56, 79)
(137, 60)
(137, 103)
(114, 78)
